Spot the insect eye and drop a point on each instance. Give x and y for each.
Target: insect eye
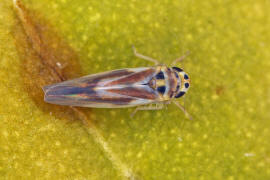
(186, 85)
(161, 89)
(177, 88)
(176, 75)
(179, 94)
(177, 69)
(160, 75)
(185, 76)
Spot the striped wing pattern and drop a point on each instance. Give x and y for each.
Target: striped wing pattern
(113, 89)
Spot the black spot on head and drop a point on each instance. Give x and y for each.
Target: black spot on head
(161, 89)
(180, 94)
(177, 69)
(185, 76)
(186, 85)
(160, 75)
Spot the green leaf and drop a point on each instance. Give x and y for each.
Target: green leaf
(44, 41)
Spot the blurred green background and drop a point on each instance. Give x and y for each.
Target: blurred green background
(229, 97)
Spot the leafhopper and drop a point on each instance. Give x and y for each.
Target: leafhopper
(142, 87)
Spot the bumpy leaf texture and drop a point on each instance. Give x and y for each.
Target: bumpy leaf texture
(43, 42)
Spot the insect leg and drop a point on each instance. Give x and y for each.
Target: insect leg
(183, 109)
(150, 107)
(180, 59)
(144, 57)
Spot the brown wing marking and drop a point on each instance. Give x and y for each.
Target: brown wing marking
(75, 96)
(108, 75)
(135, 92)
(133, 78)
(94, 79)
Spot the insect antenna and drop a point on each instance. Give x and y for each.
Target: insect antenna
(144, 57)
(180, 59)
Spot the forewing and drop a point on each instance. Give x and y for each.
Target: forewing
(119, 88)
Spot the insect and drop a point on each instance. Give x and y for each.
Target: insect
(157, 85)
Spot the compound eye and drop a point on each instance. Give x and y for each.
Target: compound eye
(177, 69)
(177, 88)
(176, 75)
(179, 94)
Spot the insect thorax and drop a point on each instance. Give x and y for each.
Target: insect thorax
(164, 82)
